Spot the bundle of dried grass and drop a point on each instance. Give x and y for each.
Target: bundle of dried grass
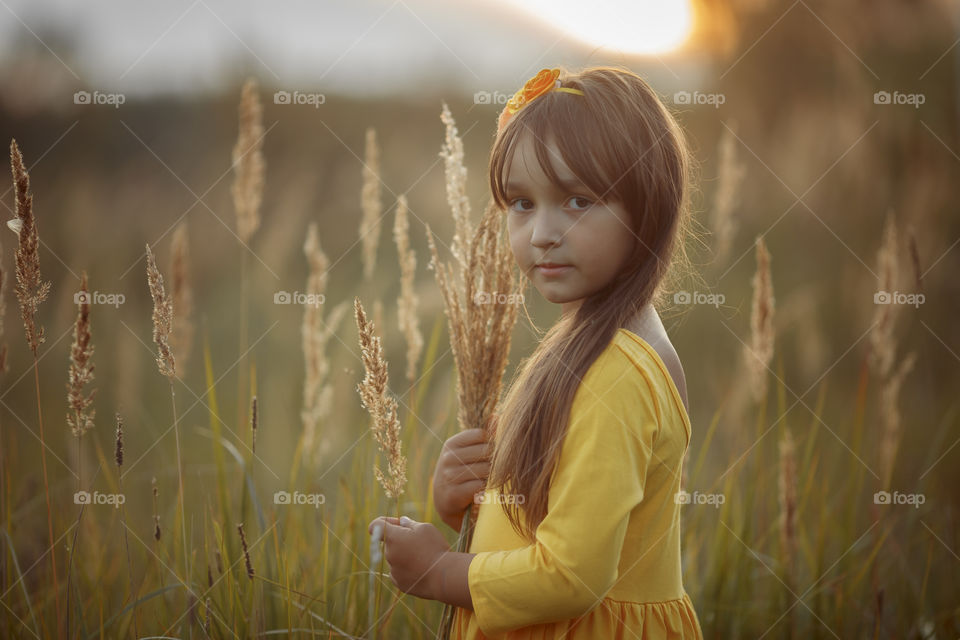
(315, 333)
(382, 407)
(248, 163)
(480, 325)
(759, 352)
(407, 302)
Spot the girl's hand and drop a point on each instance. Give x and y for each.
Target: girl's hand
(461, 473)
(413, 550)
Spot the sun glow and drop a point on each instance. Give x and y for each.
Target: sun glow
(629, 26)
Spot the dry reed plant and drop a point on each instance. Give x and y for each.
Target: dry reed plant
(315, 333)
(181, 337)
(80, 374)
(759, 352)
(787, 484)
(3, 312)
(246, 552)
(407, 302)
(31, 290)
(382, 406)
(479, 333)
(883, 348)
(248, 163)
(729, 178)
(156, 509)
(370, 204)
(162, 318)
(456, 181)
(81, 368)
(162, 327)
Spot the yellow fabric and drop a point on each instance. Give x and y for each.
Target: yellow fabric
(606, 561)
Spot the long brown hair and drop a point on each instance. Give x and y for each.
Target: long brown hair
(623, 144)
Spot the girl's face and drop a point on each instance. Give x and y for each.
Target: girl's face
(563, 225)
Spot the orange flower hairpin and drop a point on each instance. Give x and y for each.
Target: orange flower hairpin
(545, 81)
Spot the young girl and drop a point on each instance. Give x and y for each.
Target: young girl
(578, 530)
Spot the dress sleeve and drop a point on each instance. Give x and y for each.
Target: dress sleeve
(599, 479)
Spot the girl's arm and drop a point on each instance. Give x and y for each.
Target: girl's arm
(450, 580)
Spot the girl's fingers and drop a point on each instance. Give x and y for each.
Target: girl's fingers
(402, 521)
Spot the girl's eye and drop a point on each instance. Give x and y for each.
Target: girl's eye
(513, 205)
(584, 202)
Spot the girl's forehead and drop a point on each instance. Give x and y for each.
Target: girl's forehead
(523, 166)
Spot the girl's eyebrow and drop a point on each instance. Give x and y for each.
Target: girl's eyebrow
(569, 184)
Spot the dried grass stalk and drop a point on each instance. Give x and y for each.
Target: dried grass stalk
(162, 318)
(181, 338)
(3, 312)
(246, 552)
(371, 204)
(456, 180)
(407, 302)
(31, 288)
(81, 367)
(788, 500)
(248, 163)
(315, 333)
(382, 406)
(730, 176)
(882, 343)
(759, 352)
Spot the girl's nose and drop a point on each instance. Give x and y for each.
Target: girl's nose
(547, 231)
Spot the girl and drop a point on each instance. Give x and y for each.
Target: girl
(578, 529)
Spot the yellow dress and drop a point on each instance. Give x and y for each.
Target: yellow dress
(606, 561)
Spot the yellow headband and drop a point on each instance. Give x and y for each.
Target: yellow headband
(545, 81)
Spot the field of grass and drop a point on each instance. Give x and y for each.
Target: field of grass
(822, 472)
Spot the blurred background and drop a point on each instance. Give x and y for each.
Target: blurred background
(814, 124)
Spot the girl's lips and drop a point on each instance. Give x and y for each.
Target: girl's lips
(553, 270)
